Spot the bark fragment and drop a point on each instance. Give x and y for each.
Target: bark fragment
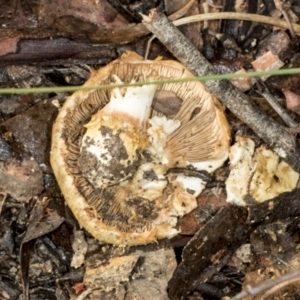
(212, 246)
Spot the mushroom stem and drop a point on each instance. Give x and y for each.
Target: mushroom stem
(135, 102)
(115, 136)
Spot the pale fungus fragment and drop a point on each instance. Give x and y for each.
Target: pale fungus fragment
(111, 152)
(257, 175)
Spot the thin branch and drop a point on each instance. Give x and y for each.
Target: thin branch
(279, 286)
(289, 23)
(176, 15)
(275, 104)
(278, 137)
(238, 16)
(182, 11)
(289, 278)
(2, 202)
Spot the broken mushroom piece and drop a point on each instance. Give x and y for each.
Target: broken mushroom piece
(257, 175)
(112, 149)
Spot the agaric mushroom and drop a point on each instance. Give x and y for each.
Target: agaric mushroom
(114, 162)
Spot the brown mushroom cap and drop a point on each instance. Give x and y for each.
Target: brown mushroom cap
(201, 142)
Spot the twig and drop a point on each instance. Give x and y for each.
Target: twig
(276, 106)
(278, 137)
(237, 16)
(84, 294)
(2, 202)
(176, 15)
(182, 11)
(289, 278)
(283, 7)
(211, 3)
(294, 28)
(205, 7)
(279, 286)
(148, 46)
(289, 23)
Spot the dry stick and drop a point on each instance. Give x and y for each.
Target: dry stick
(2, 202)
(211, 3)
(278, 137)
(224, 15)
(176, 15)
(289, 23)
(254, 290)
(279, 286)
(278, 108)
(182, 11)
(265, 93)
(237, 16)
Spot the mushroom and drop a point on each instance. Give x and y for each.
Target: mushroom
(113, 150)
(257, 175)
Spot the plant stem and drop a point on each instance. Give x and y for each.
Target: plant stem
(237, 16)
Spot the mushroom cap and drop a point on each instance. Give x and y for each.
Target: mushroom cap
(144, 208)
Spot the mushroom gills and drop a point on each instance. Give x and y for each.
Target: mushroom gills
(119, 153)
(128, 155)
(116, 165)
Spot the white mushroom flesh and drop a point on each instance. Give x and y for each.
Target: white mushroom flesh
(111, 145)
(257, 176)
(159, 131)
(192, 185)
